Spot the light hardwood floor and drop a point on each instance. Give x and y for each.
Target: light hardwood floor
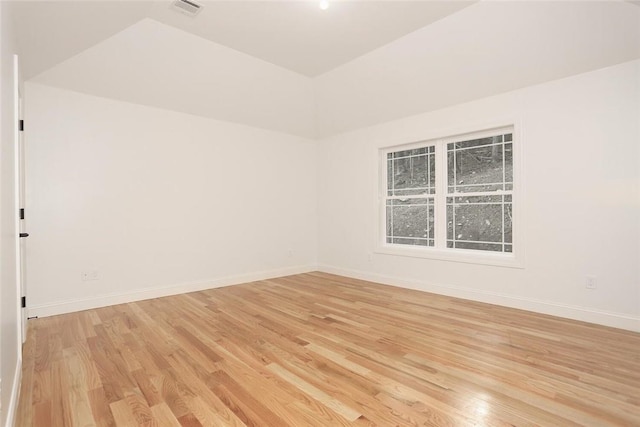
(322, 350)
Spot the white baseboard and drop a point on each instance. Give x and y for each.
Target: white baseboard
(69, 306)
(600, 317)
(585, 314)
(12, 407)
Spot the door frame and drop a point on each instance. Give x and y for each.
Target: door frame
(19, 172)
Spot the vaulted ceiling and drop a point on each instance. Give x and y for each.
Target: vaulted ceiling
(291, 67)
(296, 35)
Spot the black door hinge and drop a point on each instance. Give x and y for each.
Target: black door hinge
(24, 302)
(21, 213)
(21, 125)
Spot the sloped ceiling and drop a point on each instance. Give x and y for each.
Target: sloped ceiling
(489, 48)
(254, 62)
(49, 32)
(293, 34)
(154, 64)
(298, 36)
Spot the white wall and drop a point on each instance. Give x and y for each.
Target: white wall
(9, 332)
(488, 48)
(580, 137)
(158, 202)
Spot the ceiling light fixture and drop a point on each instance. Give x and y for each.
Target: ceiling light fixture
(324, 4)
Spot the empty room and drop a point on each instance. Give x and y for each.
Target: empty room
(319, 213)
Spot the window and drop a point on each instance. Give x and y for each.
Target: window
(453, 195)
(410, 196)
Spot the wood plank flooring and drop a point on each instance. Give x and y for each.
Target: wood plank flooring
(322, 350)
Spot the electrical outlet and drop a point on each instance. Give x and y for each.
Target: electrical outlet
(590, 282)
(89, 275)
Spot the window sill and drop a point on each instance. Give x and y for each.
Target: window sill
(452, 255)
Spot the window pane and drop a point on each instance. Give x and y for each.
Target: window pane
(477, 246)
(412, 152)
(508, 164)
(479, 199)
(411, 172)
(476, 142)
(410, 221)
(432, 171)
(478, 165)
(450, 225)
(407, 241)
(451, 169)
(479, 222)
(508, 226)
(389, 177)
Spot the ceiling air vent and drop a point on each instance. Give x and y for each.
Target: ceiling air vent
(187, 7)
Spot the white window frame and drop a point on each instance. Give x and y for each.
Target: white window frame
(513, 259)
